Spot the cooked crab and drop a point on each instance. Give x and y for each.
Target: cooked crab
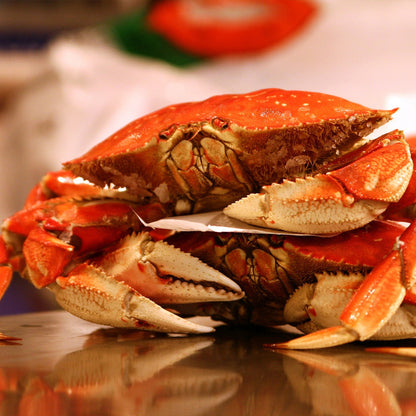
(302, 159)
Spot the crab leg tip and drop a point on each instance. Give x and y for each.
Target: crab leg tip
(248, 209)
(328, 337)
(145, 314)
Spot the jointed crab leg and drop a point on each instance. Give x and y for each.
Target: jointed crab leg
(6, 274)
(375, 301)
(6, 271)
(125, 284)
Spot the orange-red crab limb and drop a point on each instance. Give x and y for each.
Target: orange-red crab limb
(340, 199)
(6, 274)
(104, 266)
(375, 301)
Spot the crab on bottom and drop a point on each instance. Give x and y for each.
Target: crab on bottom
(296, 161)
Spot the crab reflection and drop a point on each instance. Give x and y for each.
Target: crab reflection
(341, 382)
(120, 373)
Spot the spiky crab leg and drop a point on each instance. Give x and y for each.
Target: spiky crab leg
(340, 200)
(375, 301)
(125, 287)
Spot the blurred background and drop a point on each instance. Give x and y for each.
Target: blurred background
(74, 71)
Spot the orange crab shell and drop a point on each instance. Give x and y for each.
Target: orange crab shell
(266, 131)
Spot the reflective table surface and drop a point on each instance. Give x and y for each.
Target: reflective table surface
(66, 366)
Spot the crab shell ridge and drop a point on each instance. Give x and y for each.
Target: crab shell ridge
(272, 134)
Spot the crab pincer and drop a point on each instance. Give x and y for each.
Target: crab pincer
(87, 254)
(338, 200)
(126, 286)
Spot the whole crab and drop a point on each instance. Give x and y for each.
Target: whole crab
(296, 161)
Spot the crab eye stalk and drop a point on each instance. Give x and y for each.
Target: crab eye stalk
(168, 133)
(219, 123)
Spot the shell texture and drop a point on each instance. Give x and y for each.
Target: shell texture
(265, 135)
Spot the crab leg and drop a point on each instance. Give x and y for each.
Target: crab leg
(124, 287)
(374, 303)
(6, 271)
(6, 275)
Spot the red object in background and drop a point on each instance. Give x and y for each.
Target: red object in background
(211, 28)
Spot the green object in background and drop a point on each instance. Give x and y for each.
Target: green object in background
(132, 34)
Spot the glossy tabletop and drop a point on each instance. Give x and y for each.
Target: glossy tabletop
(66, 366)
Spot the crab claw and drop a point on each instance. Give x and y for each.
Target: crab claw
(91, 295)
(124, 287)
(286, 206)
(341, 200)
(166, 274)
(374, 303)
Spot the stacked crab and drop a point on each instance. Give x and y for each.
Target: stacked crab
(292, 161)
